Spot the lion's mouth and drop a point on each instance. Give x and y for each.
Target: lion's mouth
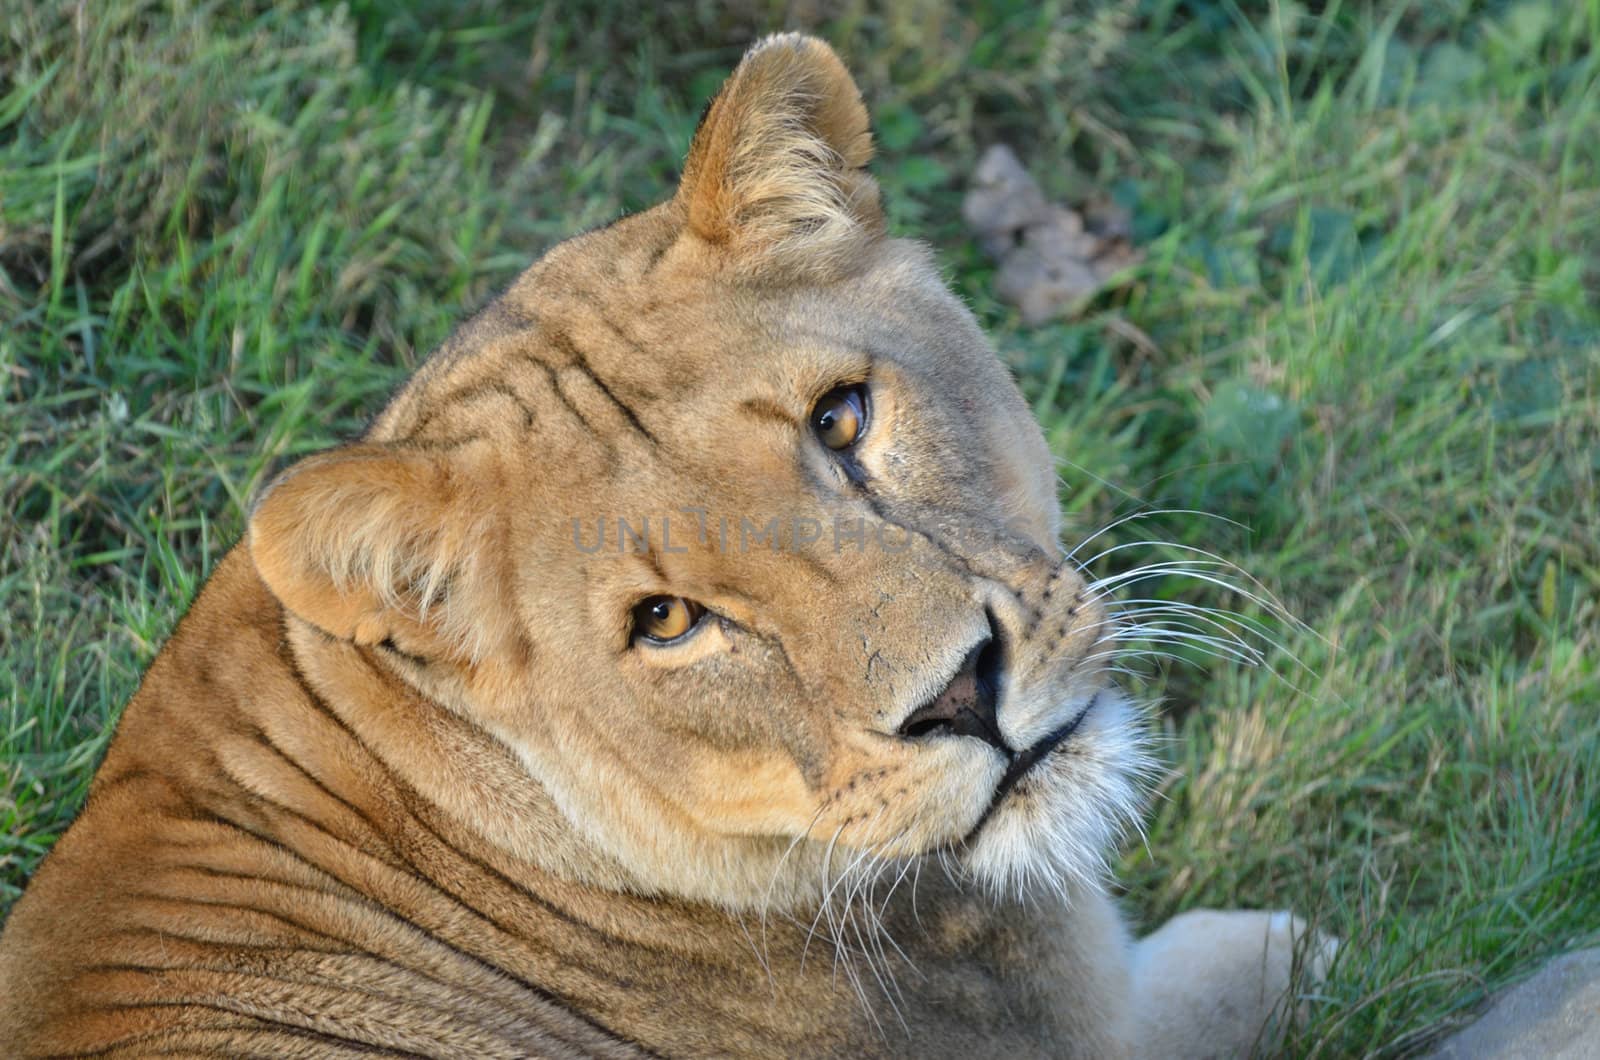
(1023, 762)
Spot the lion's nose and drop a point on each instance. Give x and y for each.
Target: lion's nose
(966, 707)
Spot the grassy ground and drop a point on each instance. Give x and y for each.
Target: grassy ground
(1365, 330)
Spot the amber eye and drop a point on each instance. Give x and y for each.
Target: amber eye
(839, 417)
(665, 618)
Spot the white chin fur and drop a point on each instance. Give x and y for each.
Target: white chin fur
(1057, 828)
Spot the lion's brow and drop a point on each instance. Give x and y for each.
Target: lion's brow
(766, 409)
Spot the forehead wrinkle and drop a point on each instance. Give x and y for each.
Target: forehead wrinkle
(498, 323)
(470, 370)
(764, 408)
(683, 338)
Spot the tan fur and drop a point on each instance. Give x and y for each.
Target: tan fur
(401, 781)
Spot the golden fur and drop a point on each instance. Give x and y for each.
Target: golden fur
(403, 781)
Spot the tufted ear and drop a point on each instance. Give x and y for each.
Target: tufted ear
(374, 544)
(777, 170)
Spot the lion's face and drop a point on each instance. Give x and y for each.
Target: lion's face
(727, 522)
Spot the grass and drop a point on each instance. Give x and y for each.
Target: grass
(1365, 331)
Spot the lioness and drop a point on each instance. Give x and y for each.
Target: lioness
(683, 663)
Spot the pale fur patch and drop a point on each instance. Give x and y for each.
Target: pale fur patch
(388, 529)
(790, 200)
(776, 172)
(1061, 823)
(413, 573)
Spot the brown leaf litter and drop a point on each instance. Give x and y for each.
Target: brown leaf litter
(1052, 259)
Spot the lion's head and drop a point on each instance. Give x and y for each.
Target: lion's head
(727, 545)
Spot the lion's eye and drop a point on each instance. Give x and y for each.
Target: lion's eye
(665, 618)
(840, 416)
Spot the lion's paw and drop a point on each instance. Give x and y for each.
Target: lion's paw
(1211, 983)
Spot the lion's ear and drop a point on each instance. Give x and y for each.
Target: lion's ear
(777, 169)
(367, 543)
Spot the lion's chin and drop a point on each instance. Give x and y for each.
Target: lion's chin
(1055, 827)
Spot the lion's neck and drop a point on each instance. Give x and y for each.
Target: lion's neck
(335, 762)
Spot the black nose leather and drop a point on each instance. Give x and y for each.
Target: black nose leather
(966, 706)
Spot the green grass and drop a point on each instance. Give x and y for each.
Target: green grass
(1365, 330)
